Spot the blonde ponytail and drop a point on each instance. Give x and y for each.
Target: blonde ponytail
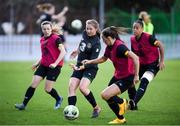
(56, 29)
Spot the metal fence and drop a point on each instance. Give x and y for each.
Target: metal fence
(27, 47)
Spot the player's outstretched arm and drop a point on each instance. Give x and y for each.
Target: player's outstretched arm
(95, 61)
(60, 14)
(74, 54)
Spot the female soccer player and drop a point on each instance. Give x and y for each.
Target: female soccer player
(48, 66)
(148, 26)
(148, 49)
(126, 65)
(83, 75)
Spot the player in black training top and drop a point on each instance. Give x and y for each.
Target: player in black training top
(83, 75)
(48, 13)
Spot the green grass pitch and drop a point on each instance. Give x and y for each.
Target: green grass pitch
(159, 106)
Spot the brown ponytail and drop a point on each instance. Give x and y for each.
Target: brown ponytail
(114, 32)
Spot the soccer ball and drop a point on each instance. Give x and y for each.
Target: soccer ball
(76, 24)
(71, 112)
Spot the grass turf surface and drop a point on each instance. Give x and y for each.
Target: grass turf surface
(159, 106)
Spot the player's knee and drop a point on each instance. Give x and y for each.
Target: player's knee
(82, 89)
(34, 84)
(104, 96)
(47, 90)
(148, 76)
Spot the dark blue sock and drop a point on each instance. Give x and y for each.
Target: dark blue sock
(29, 93)
(54, 94)
(141, 90)
(117, 99)
(114, 107)
(132, 92)
(72, 100)
(91, 99)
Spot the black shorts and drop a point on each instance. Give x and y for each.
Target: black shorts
(123, 83)
(50, 73)
(113, 80)
(89, 73)
(153, 67)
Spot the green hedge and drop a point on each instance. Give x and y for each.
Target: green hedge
(160, 19)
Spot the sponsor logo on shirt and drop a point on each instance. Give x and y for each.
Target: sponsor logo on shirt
(89, 45)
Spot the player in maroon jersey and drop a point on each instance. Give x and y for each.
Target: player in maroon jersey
(126, 65)
(151, 57)
(48, 66)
